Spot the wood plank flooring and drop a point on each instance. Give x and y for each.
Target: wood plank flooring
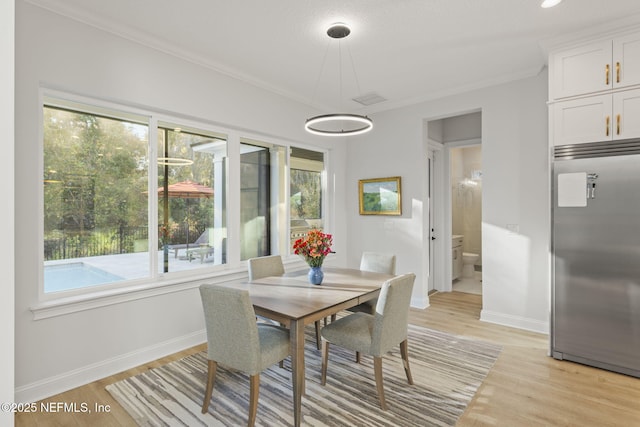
(524, 388)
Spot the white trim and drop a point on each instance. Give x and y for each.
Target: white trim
(436, 205)
(8, 293)
(59, 383)
(110, 296)
(420, 303)
(519, 322)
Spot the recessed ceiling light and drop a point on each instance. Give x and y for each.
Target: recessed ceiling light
(550, 3)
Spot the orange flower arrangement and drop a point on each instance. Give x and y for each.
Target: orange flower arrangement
(314, 247)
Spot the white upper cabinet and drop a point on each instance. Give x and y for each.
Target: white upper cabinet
(625, 121)
(594, 91)
(596, 118)
(581, 70)
(582, 120)
(595, 67)
(626, 61)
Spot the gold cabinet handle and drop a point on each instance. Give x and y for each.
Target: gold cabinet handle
(608, 119)
(618, 72)
(606, 69)
(618, 124)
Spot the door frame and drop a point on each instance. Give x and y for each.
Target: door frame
(440, 211)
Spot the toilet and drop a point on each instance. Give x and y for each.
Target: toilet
(468, 263)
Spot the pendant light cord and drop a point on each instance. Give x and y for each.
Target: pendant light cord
(324, 60)
(355, 75)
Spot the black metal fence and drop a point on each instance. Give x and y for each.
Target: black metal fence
(107, 241)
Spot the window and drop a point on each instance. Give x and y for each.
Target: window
(95, 206)
(305, 192)
(97, 198)
(255, 201)
(130, 197)
(191, 198)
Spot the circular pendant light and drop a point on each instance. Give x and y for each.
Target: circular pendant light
(338, 124)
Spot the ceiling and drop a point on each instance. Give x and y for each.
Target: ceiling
(406, 51)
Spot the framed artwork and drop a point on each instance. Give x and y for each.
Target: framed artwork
(380, 196)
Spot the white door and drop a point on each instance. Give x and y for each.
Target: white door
(430, 199)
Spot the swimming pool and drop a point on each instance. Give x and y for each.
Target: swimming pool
(63, 277)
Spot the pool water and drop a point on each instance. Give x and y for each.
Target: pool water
(75, 275)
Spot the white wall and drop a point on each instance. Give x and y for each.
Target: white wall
(61, 352)
(463, 127)
(7, 284)
(515, 192)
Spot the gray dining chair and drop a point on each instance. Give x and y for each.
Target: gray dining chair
(375, 334)
(378, 263)
(236, 341)
(265, 266)
(271, 265)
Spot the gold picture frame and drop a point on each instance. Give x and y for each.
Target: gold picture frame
(380, 196)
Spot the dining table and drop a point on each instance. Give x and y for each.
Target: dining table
(295, 303)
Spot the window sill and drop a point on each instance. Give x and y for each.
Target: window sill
(89, 301)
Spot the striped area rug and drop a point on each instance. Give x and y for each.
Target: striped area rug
(447, 370)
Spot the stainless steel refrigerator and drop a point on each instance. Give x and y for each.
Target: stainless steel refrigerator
(596, 255)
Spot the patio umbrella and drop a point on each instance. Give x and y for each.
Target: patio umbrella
(186, 190)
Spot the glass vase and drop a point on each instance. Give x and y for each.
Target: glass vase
(315, 275)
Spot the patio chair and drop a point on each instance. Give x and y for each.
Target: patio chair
(203, 240)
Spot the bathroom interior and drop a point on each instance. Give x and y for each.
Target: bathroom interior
(466, 218)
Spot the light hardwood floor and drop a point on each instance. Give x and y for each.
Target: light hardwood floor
(524, 388)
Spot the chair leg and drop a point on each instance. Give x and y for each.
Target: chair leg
(377, 367)
(404, 351)
(357, 357)
(325, 361)
(211, 376)
(253, 399)
(318, 339)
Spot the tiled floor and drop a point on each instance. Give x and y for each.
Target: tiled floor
(469, 285)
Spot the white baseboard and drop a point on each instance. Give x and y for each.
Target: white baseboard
(420, 303)
(515, 321)
(81, 376)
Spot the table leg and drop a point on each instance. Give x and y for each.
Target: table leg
(297, 367)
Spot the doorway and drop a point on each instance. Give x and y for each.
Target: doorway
(466, 218)
(442, 136)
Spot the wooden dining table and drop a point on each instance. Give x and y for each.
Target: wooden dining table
(293, 302)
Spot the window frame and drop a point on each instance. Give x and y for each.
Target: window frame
(60, 303)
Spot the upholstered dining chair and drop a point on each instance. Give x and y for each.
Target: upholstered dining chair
(271, 265)
(265, 266)
(236, 341)
(375, 334)
(377, 263)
